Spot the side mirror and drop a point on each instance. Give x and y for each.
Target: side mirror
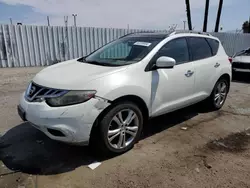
(165, 62)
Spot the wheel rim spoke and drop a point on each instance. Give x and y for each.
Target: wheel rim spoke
(120, 142)
(119, 123)
(223, 94)
(130, 117)
(113, 137)
(131, 132)
(134, 128)
(218, 100)
(120, 117)
(223, 87)
(112, 132)
(124, 140)
(216, 96)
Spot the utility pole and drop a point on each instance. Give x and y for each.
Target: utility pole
(218, 16)
(249, 25)
(206, 16)
(11, 21)
(48, 20)
(74, 15)
(66, 21)
(128, 26)
(184, 22)
(188, 14)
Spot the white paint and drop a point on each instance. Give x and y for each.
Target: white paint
(94, 165)
(162, 90)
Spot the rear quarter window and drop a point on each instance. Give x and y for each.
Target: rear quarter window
(214, 44)
(199, 48)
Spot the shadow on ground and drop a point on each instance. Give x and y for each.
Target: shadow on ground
(26, 149)
(241, 77)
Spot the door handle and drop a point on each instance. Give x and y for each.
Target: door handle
(216, 65)
(189, 73)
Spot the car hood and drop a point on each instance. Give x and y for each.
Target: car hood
(72, 74)
(242, 59)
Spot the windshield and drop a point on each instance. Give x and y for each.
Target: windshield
(243, 53)
(123, 51)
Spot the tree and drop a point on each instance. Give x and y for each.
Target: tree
(245, 27)
(206, 16)
(218, 16)
(188, 14)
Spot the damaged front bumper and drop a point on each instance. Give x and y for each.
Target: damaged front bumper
(71, 124)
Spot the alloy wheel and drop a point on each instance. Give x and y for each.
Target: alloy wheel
(123, 129)
(220, 94)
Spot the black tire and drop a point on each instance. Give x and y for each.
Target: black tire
(211, 100)
(101, 134)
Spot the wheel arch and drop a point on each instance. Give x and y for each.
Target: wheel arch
(227, 77)
(130, 98)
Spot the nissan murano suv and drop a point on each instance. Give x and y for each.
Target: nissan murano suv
(104, 99)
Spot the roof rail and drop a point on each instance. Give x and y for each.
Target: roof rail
(137, 32)
(188, 31)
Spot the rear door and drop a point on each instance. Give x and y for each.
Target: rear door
(204, 62)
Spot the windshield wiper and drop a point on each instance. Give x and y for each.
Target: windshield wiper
(82, 59)
(99, 63)
(115, 59)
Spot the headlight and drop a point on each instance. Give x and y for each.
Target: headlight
(70, 98)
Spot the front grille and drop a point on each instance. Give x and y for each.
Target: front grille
(35, 92)
(240, 65)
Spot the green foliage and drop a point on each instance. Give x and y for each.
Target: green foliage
(245, 27)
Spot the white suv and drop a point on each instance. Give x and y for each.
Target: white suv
(105, 97)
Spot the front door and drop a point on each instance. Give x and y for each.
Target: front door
(173, 88)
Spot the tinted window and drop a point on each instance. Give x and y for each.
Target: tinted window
(199, 48)
(176, 49)
(214, 44)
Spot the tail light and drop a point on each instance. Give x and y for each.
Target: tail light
(230, 59)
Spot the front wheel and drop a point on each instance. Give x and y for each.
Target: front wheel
(120, 128)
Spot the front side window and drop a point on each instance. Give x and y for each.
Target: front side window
(177, 49)
(123, 51)
(199, 48)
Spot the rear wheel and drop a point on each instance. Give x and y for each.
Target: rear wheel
(219, 94)
(120, 128)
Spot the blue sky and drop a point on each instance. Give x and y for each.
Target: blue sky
(157, 14)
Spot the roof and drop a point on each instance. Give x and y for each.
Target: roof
(149, 34)
(162, 35)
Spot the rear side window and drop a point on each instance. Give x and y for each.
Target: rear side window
(177, 49)
(199, 48)
(214, 44)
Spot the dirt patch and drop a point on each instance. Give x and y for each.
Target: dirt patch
(236, 142)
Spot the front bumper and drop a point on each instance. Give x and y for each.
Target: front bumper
(71, 124)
